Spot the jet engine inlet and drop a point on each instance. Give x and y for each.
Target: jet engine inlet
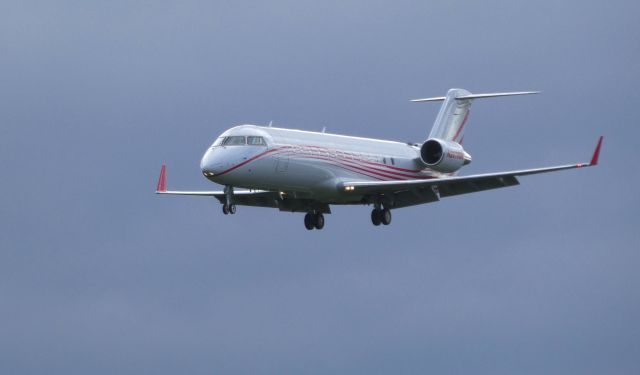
(443, 156)
(431, 152)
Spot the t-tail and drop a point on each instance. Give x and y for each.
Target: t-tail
(442, 151)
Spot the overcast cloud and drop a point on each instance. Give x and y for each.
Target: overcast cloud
(99, 275)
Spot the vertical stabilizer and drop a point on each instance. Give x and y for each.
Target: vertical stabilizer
(453, 115)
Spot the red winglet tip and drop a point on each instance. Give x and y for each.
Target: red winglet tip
(596, 153)
(162, 180)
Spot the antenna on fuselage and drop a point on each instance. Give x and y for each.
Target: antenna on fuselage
(323, 129)
(270, 123)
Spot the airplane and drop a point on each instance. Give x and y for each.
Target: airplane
(305, 171)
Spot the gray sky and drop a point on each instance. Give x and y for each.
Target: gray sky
(99, 275)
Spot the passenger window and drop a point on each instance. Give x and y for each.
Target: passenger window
(393, 162)
(256, 141)
(237, 140)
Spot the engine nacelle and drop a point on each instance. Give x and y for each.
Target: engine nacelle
(443, 156)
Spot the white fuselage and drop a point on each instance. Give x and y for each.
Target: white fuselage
(310, 164)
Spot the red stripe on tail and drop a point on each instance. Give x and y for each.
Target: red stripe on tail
(461, 126)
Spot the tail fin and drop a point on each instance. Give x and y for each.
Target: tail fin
(453, 115)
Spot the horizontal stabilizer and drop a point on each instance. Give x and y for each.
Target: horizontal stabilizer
(434, 99)
(477, 96)
(496, 94)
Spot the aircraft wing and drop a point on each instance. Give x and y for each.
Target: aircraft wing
(256, 198)
(217, 194)
(444, 187)
(260, 198)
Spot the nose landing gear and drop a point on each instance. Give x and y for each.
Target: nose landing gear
(314, 220)
(228, 207)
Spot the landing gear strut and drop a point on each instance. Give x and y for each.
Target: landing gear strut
(381, 216)
(314, 220)
(228, 207)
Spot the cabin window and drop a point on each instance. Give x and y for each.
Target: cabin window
(236, 140)
(393, 162)
(256, 141)
(384, 160)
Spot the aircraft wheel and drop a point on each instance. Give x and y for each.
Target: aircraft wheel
(225, 209)
(319, 220)
(232, 209)
(376, 216)
(309, 221)
(385, 216)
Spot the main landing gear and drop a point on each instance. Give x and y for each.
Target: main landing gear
(381, 216)
(228, 209)
(314, 220)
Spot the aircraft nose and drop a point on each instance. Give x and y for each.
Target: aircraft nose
(211, 163)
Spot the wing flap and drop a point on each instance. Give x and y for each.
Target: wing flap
(472, 186)
(258, 198)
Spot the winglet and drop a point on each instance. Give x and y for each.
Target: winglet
(162, 180)
(596, 153)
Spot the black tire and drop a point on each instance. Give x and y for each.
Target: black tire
(319, 221)
(385, 216)
(225, 209)
(376, 217)
(232, 209)
(309, 221)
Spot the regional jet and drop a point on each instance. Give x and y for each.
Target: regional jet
(304, 171)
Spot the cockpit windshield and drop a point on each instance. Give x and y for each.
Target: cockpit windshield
(239, 140)
(235, 140)
(256, 141)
